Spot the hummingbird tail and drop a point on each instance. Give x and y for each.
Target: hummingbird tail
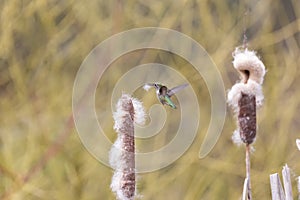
(170, 103)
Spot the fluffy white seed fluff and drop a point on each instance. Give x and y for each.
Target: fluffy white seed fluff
(248, 60)
(236, 138)
(116, 185)
(115, 154)
(245, 60)
(147, 87)
(251, 88)
(139, 112)
(117, 159)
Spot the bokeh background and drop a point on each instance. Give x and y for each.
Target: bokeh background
(42, 45)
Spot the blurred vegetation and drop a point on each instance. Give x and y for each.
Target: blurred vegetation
(43, 43)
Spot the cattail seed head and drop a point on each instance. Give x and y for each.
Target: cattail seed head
(246, 96)
(122, 154)
(247, 118)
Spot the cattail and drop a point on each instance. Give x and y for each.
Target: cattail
(122, 154)
(245, 97)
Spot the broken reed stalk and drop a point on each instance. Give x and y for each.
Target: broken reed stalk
(276, 187)
(245, 97)
(286, 176)
(122, 154)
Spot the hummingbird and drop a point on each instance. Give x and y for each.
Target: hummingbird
(164, 94)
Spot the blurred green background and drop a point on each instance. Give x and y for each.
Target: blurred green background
(43, 43)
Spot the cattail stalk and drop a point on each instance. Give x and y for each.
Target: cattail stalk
(248, 167)
(245, 97)
(122, 154)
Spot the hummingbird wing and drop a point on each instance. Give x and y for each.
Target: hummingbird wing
(169, 102)
(176, 89)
